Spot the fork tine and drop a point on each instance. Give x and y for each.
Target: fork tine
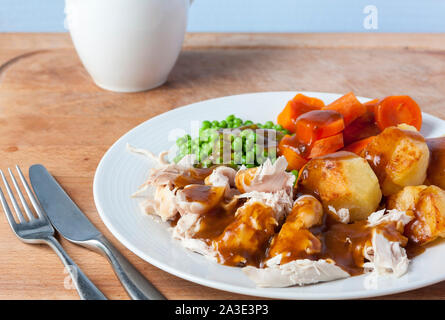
(21, 197)
(7, 210)
(30, 194)
(14, 202)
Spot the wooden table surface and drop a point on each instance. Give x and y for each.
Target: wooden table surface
(52, 113)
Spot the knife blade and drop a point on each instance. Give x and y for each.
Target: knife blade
(72, 224)
(64, 214)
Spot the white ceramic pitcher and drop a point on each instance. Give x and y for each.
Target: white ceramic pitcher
(127, 45)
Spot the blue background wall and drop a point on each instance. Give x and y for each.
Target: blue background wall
(257, 15)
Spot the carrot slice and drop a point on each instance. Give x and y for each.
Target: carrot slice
(394, 110)
(296, 107)
(318, 124)
(309, 100)
(327, 145)
(358, 146)
(348, 106)
(370, 105)
(287, 148)
(361, 128)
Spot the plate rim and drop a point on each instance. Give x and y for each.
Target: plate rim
(229, 287)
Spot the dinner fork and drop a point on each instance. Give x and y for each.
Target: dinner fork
(39, 230)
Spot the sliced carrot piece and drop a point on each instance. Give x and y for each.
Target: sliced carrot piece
(290, 151)
(315, 125)
(296, 107)
(370, 105)
(348, 106)
(361, 128)
(358, 146)
(394, 110)
(309, 100)
(327, 145)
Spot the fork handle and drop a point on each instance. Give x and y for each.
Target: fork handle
(136, 285)
(86, 289)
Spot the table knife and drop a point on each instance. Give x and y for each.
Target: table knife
(73, 225)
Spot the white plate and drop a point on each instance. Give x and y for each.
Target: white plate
(120, 173)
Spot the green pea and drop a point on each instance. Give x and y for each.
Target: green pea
(251, 135)
(206, 163)
(207, 147)
(215, 124)
(230, 118)
(183, 148)
(250, 157)
(249, 144)
(180, 142)
(258, 149)
(214, 136)
(250, 165)
(203, 155)
(244, 133)
(260, 160)
(237, 157)
(278, 127)
(206, 124)
(223, 124)
(243, 159)
(248, 123)
(269, 125)
(237, 123)
(272, 154)
(237, 144)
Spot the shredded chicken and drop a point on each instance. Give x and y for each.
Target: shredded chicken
(342, 214)
(187, 226)
(385, 256)
(187, 204)
(266, 178)
(279, 201)
(223, 177)
(164, 203)
(297, 272)
(384, 215)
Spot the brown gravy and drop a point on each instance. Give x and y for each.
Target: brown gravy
(200, 193)
(245, 242)
(345, 243)
(192, 176)
(342, 243)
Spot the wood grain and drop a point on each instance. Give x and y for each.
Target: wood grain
(52, 113)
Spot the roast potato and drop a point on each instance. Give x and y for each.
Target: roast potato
(342, 180)
(399, 157)
(427, 205)
(436, 168)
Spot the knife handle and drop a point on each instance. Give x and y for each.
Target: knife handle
(86, 289)
(136, 285)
